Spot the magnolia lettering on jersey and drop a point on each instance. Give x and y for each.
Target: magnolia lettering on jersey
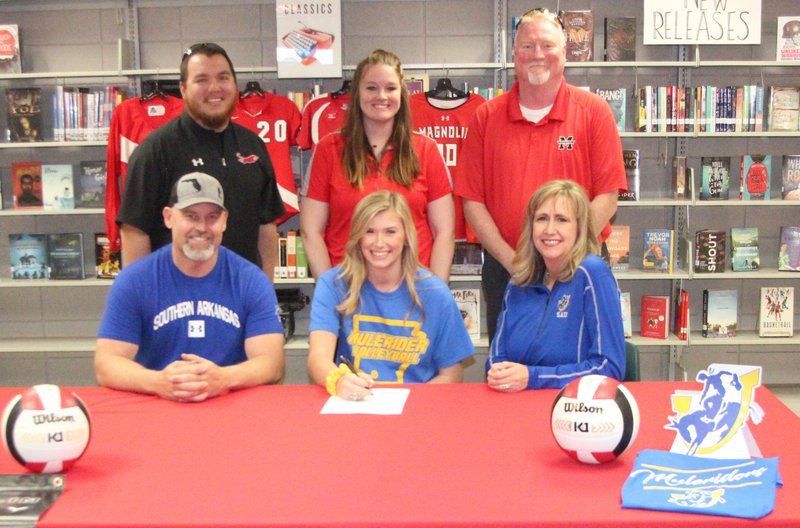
(444, 132)
(189, 309)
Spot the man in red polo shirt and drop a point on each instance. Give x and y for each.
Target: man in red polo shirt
(542, 129)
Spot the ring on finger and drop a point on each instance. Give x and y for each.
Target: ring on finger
(354, 397)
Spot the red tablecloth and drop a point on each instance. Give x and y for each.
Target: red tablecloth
(459, 455)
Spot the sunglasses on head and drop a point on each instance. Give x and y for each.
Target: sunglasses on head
(546, 13)
(206, 48)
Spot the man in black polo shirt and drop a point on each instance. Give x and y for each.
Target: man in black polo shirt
(203, 139)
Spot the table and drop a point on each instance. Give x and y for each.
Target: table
(459, 455)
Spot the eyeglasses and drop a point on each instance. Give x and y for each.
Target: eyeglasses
(552, 16)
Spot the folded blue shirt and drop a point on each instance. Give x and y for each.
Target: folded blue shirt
(666, 481)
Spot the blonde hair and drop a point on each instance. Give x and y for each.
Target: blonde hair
(357, 151)
(528, 265)
(354, 266)
(540, 12)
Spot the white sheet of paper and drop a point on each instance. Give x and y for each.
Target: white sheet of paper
(382, 401)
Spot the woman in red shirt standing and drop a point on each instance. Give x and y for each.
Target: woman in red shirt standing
(377, 150)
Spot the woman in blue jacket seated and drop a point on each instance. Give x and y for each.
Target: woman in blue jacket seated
(561, 316)
(394, 320)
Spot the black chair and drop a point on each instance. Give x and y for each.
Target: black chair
(631, 362)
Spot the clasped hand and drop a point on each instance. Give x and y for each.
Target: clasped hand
(192, 379)
(507, 376)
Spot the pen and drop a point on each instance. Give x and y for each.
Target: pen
(349, 364)
(351, 367)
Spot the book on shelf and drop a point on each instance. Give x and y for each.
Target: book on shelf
(789, 251)
(790, 177)
(616, 99)
(91, 185)
(755, 176)
(710, 251)
(467, 259)
(468, 301)
(679, 177)
(681, 314)
(84, 113)
(674, 108)
(282, 268)
(659, 250)
(644, 112)
(720, 313)
(416, 83)
(631, 159)
(655, 316)
(579, 28)
(620, 39)
(715, 177)
(10, 54)
(26, 184)
(625, 307)
(107, 263)
(788, 33)
(291, 255)
(58, 191)
(514, 25)
(618, 244)
(65, 255)
(302, 258)
(24, 106)
(784, 108)
(744, 249)
(776, 312)
(27, 253)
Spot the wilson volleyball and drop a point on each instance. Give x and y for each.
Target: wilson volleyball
(46, 428)
(594, 419)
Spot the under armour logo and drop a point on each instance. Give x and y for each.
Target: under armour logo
(197, 328)
(445, 118)
(566, 142)
(197, 162)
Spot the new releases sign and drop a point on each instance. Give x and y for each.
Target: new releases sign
(725, 22)
(309, 39)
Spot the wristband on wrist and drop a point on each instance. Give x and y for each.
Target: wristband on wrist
(333, 378)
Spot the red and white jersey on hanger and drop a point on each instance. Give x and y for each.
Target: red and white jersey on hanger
(131, 122)
(321, 116)
(276, 120)
(447, 123)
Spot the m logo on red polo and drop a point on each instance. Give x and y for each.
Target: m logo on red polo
(566, 142)
(247, 160)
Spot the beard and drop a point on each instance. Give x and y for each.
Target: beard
(198, 254)
(207, 120)
(538, 76)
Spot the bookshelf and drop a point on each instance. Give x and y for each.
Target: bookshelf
(476, 51)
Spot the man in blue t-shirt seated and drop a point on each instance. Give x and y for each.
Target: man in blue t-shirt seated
(192, 320)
